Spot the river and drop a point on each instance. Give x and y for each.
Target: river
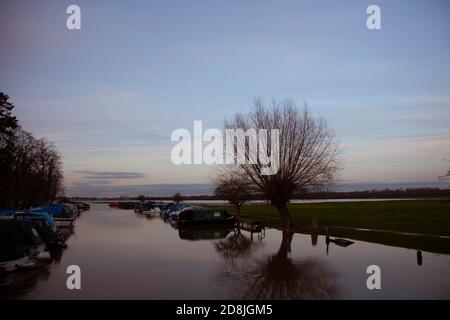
(124, 255)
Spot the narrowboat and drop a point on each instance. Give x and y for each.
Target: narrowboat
(192, 215)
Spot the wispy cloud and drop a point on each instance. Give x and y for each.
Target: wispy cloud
(110, 175)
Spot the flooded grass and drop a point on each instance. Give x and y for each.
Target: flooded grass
(124, 255)
(428, 217)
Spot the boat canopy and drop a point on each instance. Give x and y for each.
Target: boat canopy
(7, 213)
(56, 210)
(172, 208)
(30, 215)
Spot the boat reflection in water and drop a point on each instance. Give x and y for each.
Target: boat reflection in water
(15, 284)
(128, 255)
(202, 232)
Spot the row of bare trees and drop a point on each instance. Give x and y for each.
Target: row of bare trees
(308, 151)
(446, 177)
(30, 168)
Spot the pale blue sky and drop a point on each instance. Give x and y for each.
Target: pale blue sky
(110, 94)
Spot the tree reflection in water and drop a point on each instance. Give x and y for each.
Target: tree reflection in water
(235, 246)
(276, 276)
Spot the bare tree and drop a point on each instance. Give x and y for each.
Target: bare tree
(307, 147)
(30, 168)
(8, 124)
(36, 172)
(232, 187)
(447, 175)
(141, 198)
(177, 197)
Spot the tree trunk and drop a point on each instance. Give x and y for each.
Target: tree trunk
(285, 217)
(238, 211)
(285, 247)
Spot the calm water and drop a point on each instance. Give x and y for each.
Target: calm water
(129, 256)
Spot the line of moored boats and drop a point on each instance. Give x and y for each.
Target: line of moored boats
(28, 237)
(179, 213)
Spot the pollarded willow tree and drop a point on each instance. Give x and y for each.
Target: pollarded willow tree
(307, 159)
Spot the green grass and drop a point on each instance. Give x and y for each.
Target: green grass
(430, 217)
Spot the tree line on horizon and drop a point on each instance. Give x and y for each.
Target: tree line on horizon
(363, 194)
(30, 168)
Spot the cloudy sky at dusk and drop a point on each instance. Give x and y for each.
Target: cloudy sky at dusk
(110, 95)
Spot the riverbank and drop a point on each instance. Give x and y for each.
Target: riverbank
(429, 218)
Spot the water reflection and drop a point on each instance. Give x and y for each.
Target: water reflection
(15, 284)
(314, 238)
(419, 258)
(276, 276)
(148, 216)
(22, 281)
(202, 233)
(134, 256)
(236, 246)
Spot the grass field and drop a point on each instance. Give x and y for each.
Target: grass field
(429, 217)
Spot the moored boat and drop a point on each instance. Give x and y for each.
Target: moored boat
(172, 209)
(147, 207)
(20, 245)
(113, 205)
(192, 215)
(63, 214)
(45, 225)
(82, 206)
(128, 205)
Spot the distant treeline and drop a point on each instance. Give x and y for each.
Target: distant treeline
(367, 194)
(379, 194)
(30, 168)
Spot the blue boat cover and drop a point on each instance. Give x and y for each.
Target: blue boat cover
(174, 207)
(31, 214)
(57, 210)
(7, 212)
(43, 215)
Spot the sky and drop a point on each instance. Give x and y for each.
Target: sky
(110, 94)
